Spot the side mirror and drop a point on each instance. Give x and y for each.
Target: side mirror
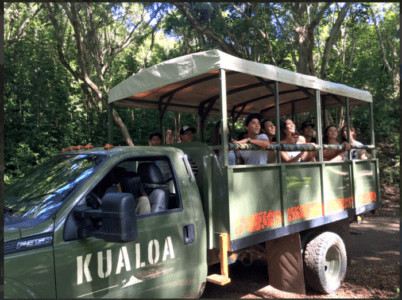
(115, 222)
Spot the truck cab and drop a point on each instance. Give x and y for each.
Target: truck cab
(68, 253)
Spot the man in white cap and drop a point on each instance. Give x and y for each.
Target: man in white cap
(187, 134)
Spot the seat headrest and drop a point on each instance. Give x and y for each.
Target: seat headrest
(131, 185)
(150, 173)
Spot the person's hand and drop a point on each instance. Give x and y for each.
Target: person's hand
(347, 146)
(243, 141)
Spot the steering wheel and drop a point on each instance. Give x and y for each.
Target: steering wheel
(96, 198)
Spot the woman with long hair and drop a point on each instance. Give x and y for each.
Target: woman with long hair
(356, 153)
(331, 138)
(217, 140)
(289, 136)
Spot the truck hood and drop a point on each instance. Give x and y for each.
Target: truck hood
(11, 233)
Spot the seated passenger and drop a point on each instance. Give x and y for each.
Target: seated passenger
(288, 136)
(216, 140)
(155, 138)
(187, 134)
(131, 184)
(356, 153)
(253, 157)
(143, 204)
(331, 138)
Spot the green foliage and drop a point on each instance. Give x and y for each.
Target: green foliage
(46, 109)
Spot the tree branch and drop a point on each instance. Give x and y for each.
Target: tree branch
(186, 11)
(331, 40)
(384, 56)
(263, 34)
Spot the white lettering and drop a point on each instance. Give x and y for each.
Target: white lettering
(83, 268)
(151, 258)
(168, 249)
(138, 262)
(123, 255)
(101, 274)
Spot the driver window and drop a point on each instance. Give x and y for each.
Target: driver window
(151, 182)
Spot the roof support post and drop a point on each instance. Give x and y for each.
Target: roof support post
(372, 136)
(198, 132)
(233, 126)
(278, 139)
(348, 125)
(318, 121)
(323, 111)
(224, 117)
(110, 121)
(162, 110)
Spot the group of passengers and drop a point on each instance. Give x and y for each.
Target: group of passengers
(262, 133)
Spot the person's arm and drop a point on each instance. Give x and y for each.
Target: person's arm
(332, 155)
(287, 159)
(309, 155)
(260, 143)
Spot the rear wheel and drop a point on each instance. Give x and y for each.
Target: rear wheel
(325, 262)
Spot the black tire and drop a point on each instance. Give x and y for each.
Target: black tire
(325, 262)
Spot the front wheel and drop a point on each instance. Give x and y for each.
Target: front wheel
(325, 262)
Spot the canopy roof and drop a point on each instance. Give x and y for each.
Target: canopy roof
(189, 82)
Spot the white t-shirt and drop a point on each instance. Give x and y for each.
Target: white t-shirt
(254, 157)
(292, 154)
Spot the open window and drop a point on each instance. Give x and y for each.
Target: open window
(152, 178)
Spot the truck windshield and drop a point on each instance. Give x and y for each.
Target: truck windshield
(42, 192)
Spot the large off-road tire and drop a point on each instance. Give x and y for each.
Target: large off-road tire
(325, 262)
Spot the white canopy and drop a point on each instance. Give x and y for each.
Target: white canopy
(186, 82)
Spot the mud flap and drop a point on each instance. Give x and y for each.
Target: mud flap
(285, 264)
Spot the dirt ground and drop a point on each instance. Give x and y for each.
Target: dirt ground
(374, 273)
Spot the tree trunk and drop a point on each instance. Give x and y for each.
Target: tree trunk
(123, 128)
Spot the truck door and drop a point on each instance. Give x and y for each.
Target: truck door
(161, 262)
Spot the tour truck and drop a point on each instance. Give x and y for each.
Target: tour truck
(70, 225)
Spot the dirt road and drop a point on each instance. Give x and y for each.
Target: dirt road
(374, 273)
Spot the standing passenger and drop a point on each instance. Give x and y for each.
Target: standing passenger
(253, 157)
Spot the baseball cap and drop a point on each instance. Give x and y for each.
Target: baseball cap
(305, 124)
(251, 117)
(185, 128)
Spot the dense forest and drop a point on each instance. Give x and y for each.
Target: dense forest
(61, 60)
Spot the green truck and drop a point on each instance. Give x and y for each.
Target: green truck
(71, 229)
